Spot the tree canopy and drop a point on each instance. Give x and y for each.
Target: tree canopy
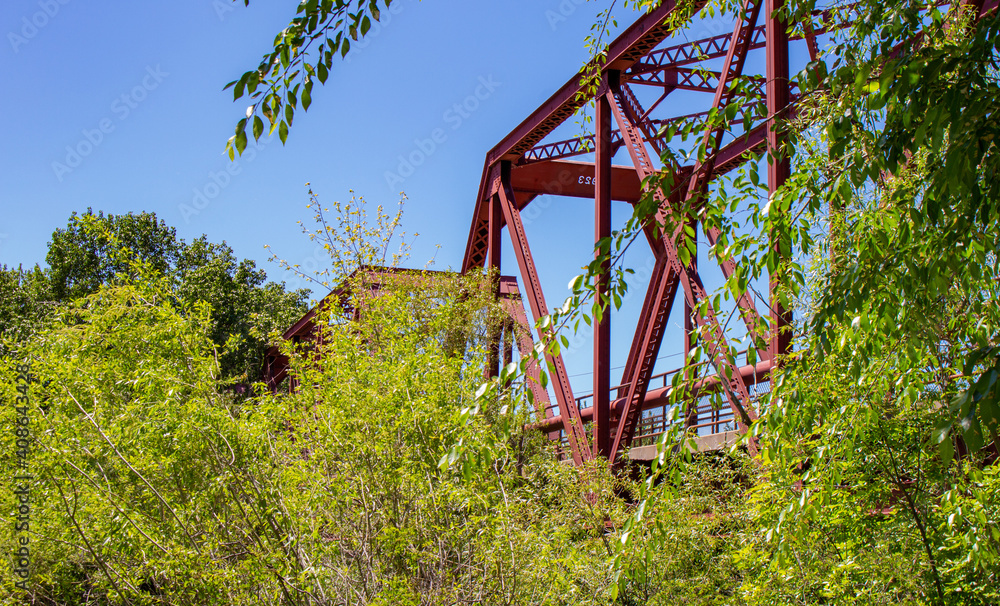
(96, 250)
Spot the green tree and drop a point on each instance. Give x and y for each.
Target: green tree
(25, 303)
(86, 254)
(151, 485)
(899, 366)
(302, 53)
(246, 308)
(97, 249)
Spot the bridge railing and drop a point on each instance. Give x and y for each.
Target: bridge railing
(707, 411)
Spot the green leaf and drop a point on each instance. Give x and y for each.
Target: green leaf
(946, 449)
(973, 434)
(240, 86)
(306, 96)
(241, 141)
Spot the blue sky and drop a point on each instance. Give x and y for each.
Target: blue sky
(137, 87)
(119, 106)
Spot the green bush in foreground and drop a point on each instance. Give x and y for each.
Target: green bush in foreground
(152, 486)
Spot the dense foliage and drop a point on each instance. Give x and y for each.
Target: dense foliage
(153, 486)
(25, 297)
(96, 250)
(879, 437)
(898, 370)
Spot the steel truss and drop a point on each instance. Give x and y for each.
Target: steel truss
(524, 165)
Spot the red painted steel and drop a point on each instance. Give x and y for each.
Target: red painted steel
(694, 292)
(577, 146)
(644, 342)
(641, 37)
(660, 397)
(573, 179)
(510, 299)
(602, 326)
(579, 444)
(642, 67)
(493, 241)
(778, 162)
(733, 68)
(475, 249)
(523, 165)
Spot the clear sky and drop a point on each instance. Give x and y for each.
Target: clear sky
(150, 76)
(119, 106)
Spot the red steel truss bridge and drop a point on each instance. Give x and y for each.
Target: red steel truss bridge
(651, 59)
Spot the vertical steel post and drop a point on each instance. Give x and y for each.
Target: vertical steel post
(493, 263)
(778, 165)
(508, 341)
(691, 414)
(568, 408)
(602, 328)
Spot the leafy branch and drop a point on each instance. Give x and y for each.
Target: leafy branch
(303, 52)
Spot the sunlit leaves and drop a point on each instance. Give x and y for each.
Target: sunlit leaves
(303, 50)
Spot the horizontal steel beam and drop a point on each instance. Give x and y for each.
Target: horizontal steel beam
(684, 78)
(576, 146)
(574, 179)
